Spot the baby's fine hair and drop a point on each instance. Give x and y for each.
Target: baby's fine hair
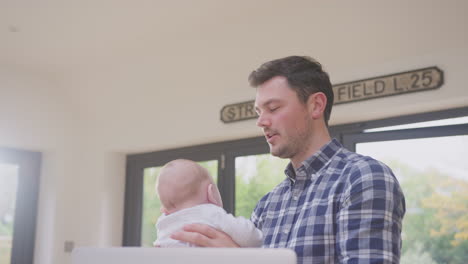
(182, 181)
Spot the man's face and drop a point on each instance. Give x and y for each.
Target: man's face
(286, 122)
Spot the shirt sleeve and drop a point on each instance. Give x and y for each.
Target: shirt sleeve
(242, 231)
(255, 217)
(369, 222)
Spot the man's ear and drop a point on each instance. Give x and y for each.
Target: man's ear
(317, 103)
(214, 196)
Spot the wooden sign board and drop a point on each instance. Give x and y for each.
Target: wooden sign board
(388, 85)
(237, 112)
(398, 83)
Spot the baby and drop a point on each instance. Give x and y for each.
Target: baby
(189, 195)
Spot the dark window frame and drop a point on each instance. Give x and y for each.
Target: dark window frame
(24, 226)
(226, 152)
(136, 163)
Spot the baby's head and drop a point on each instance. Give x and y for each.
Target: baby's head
(183, 183)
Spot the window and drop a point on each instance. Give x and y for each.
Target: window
(141, 203)
(429, 161)
(256, 175)
(427, 152)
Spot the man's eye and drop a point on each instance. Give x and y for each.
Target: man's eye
(273, 109)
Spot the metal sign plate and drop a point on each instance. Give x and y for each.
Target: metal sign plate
(388, 85)
(398, 83)
(237, 112)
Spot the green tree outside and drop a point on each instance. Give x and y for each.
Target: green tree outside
(256, 176)
(436, 223)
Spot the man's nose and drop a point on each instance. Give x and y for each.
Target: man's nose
(263, 121)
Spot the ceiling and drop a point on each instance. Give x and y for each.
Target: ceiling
(60, 36)
(57, 37)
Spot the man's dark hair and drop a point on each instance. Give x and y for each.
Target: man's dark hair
(304, 75)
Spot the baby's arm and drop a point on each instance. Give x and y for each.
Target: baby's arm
(242, 231)
(204, 235)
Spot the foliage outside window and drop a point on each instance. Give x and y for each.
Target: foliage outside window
(256, 176)
(433, 175)
(435, 227)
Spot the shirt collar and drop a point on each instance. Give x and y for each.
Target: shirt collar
(314, 163)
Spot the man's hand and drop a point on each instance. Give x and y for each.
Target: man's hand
(204, 236)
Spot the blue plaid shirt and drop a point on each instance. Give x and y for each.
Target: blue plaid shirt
(338, 207)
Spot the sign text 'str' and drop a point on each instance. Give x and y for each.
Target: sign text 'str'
(239, 111)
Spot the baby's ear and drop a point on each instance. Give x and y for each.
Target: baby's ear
(213, 195)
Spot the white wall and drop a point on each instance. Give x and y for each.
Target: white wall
(35, 115)
(81, 186)
(169, 94)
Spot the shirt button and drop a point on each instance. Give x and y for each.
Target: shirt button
(285, 231)
(295, 197)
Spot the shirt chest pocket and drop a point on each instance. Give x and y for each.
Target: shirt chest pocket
(315, 222)
(271, 220)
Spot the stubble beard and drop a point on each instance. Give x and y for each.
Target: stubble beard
(278, 151)
(286, 150)
(293, 145)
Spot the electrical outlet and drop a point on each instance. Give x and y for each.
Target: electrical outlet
(68, 246)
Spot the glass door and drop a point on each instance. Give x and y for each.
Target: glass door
(8, 188)
(19, 187)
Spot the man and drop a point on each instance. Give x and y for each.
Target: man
(334, 206)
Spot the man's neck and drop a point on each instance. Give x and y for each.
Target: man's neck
(318, 140)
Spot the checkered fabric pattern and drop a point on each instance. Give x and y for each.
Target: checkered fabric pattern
(338, 207)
